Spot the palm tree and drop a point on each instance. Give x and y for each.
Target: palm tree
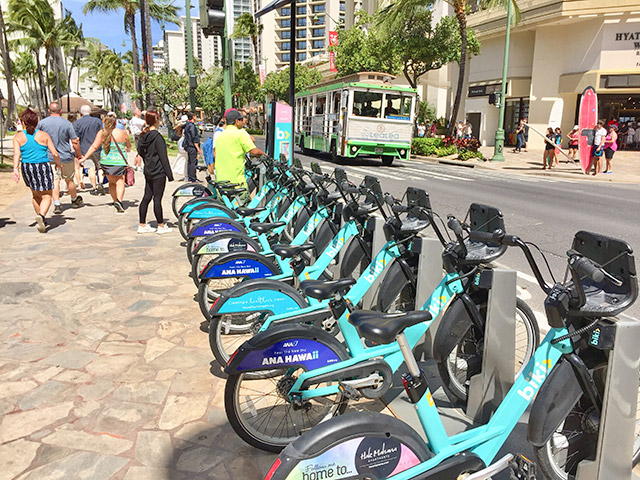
(158, 10)
(23, 69)
(245, 27)
(8, 74)
(75, 39)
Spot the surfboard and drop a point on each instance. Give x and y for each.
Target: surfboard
(587, 119)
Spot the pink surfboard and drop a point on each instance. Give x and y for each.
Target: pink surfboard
(587, 119)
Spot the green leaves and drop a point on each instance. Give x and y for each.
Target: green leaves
(276, 84)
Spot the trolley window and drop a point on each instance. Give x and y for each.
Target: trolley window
(367, 104)
(397, 107)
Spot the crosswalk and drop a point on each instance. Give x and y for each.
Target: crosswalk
(420, 170)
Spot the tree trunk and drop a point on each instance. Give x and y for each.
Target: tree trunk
(43, 89)
(254, 40)
(8, 74)
(462, 24)
(149, 42)
(130, 19)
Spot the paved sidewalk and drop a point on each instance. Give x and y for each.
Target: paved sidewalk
(104, 371)
(626, 165)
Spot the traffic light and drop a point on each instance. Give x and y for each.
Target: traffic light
(212, 17)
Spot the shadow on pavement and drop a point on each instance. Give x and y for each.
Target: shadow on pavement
(6, 221)
(55, 221)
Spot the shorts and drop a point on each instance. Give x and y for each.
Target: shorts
(596, 152)
(68, 171)
(574, 146)
(608, 153)
(114, 170)
(93, 161)
(38, 176)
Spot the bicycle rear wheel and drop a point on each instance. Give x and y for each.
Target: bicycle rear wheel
(465, 360)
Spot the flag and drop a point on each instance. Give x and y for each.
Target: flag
(263, 73)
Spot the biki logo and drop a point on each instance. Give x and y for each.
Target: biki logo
(375, 270)
(535, 379)
(436, 307)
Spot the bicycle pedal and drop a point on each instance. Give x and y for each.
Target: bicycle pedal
(349, 392)
(521, 468)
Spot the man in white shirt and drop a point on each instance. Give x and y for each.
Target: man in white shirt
(598, 148)
(136, 124)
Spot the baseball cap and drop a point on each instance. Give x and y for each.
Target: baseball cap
(576, 127)
(232, 115)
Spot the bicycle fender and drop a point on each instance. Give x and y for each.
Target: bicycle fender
(289, 345)
(353, 445)
(454, 324)
(240, 264)
(192, 190)
(195, 202)
(215, 225)
(224, 242)
(259, 295)
(557, 396)
(209, 211)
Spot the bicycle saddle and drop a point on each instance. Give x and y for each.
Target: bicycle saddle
(265, 227)
(322, 290)
(247, 212)
(383, 328)
(290, 251)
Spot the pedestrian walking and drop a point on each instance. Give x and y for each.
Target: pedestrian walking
(459, 130)
(519, 137)
(114, 142)
(468, 130)
(152, 148)
(548, 154)
(610, 147)
(66, 141)
(192, 146)
(179, 165)
(136, 124)
(72, 117)
(558, 141)
(422, 129)
(229, 151)
(30, 156)
(87, 127)
(574, 139)
(598, 149)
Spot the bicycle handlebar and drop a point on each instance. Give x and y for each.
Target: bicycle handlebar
(585, 267)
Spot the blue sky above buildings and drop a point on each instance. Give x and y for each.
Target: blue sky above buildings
(109, 27)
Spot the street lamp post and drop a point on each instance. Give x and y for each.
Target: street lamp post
(498, 153)
(192, 93)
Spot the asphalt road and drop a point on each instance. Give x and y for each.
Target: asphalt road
(542, 210)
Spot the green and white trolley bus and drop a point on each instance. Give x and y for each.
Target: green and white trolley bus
(361, 115)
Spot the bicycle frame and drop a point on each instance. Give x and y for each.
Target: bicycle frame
(439, 298)
(486, 440)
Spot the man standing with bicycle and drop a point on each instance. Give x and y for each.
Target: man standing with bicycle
(229, 150)
(191, 144)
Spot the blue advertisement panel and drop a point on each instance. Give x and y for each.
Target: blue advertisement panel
(306, 352)
(240, 267)
(211, 228)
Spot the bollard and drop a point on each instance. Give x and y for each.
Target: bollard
(489, 387)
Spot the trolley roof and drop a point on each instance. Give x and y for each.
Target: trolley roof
(369, 80)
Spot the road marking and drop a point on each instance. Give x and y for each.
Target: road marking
(439, 175)
(375, 173)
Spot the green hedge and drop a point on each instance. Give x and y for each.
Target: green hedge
(426, 146)
(468, 155)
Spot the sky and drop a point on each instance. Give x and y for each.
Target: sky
(109, 27)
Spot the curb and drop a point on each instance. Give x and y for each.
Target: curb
(541, 173)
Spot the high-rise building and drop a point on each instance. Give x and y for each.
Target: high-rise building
(206, 50)
(314, 20)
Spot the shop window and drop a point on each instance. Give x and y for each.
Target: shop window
(620, 81)
(367, 104)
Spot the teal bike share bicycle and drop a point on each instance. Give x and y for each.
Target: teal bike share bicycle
(564, 376)
(308, 375)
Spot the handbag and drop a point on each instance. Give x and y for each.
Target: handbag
(130, 175)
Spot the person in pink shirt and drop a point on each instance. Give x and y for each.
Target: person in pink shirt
(610, 146)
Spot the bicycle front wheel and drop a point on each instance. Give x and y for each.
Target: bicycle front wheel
(465, 360)
(260, 412)
(576, 438)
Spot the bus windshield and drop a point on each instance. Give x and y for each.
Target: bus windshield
(398, 107)
(367, 104)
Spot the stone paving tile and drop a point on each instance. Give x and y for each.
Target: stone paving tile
(104, 370)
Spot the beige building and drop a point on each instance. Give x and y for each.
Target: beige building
(314, 20)
(207, 51)
(557, 49)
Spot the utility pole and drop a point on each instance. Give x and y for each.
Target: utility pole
(498, 153)
(226, 62)
(189, 39)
